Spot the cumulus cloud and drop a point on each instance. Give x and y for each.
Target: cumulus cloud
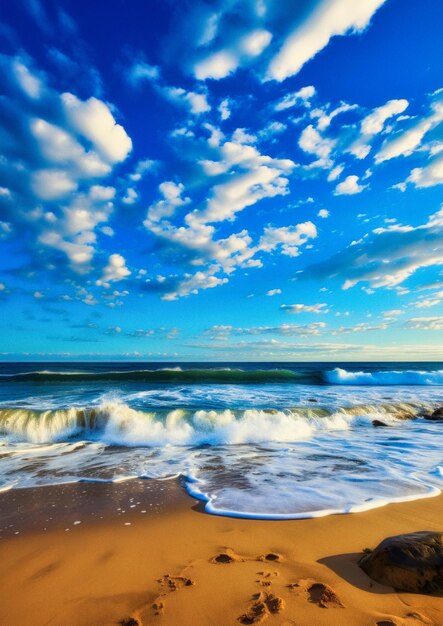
(330, 18)
(302, 96)
(114, 271)
(242, 177)
(172, 199)
(276, 39)
(374, 123)
(406, 142)
(349, 186)
(241, 51)
(196, 102)
(57, 149)
(427, 176)
(273, 292)
(94, 121)
(387, 256)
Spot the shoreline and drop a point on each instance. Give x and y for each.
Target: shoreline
(139, 541)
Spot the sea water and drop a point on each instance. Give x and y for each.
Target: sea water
(263, 440)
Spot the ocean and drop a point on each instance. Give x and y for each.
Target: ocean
(259, 440)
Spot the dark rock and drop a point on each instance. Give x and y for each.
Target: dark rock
(378, 424)
(437, 415)
(410, 562)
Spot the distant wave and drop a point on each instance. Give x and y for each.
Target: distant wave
(340, 376)
(237, 376)
(116, 423)
(172, 375)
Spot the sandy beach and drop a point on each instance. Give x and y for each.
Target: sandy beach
(93, 554)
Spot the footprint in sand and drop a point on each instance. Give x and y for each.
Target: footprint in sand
(129, 621)
(158, 607)
(271, 556)
(172, 583)
(324, 596)
(265, 604)
(228, 556)
(265, 579)
(319, 593)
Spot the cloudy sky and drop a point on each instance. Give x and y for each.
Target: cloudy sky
(221, 179)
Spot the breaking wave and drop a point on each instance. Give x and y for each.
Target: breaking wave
(116, 423)
(340, 376)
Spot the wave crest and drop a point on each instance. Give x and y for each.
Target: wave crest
(340, 376)
(116, 423)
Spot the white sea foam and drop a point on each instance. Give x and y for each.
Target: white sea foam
(340, 376)
(114, 422)
(319, 457)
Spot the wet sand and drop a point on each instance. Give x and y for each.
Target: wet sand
(97, 554)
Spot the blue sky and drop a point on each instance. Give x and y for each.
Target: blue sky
(221, 180)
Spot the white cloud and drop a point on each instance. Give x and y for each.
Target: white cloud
(273, 292)
(305, 308)
(29, 82)
(225, 109)
(362, 327)
(426, 323)
(172, 199)
(427, 176)
(52, 184)
(374, 123)
(217, 65)
(324, 116)
(221, 332)
(242, 190)
(72, 230)
(388, 256)
(324, 213)
(290, 238)
(192, 284)
(94, 121)
(196, 102)
(130, 197)
(254, 43)
(142, 167)
(405, 143)
(142, 71)
(242, 50)
(349, 186)
(60, 148)
(114, 271)
(302, 96)
(330, 18)
(312, 142)
(335, 172)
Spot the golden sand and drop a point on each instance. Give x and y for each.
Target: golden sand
(161, 560)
